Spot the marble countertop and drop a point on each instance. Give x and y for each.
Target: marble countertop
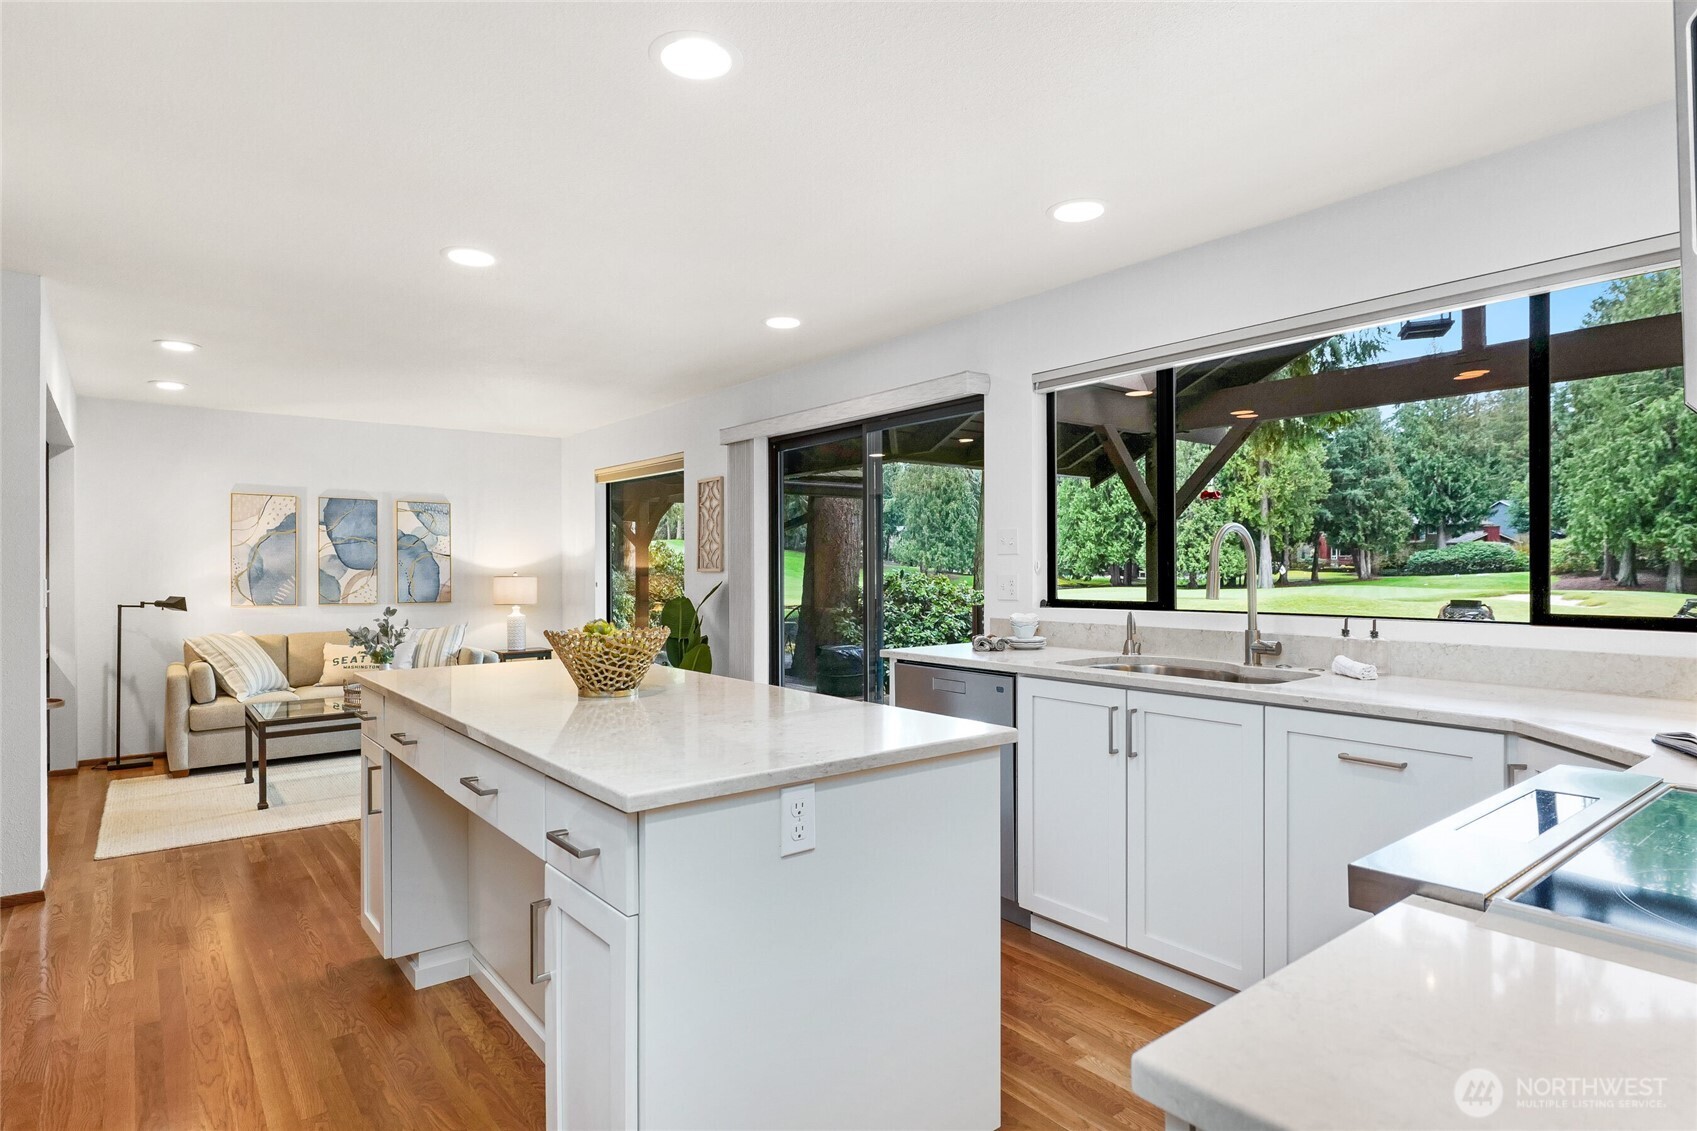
(683, 737)
(1378, 1027)
(1615, 728)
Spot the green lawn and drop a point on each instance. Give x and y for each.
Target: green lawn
(1421, 597)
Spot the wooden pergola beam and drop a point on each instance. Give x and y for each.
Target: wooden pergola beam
(1212, 462)
(1120, 456)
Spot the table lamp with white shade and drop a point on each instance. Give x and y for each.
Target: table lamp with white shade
(515, 591)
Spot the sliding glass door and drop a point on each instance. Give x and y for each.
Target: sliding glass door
(891, 508)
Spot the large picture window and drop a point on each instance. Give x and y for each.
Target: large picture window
(1523, 460)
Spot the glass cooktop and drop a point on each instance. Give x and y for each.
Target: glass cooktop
(1639, 877)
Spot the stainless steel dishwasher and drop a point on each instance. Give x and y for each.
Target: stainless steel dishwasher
(987, 698)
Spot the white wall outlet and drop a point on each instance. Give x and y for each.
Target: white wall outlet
(1007, 586)
(796, 820)
(1007, 540)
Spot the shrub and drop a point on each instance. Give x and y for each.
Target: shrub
(1466, 557)
(927, 608)
(1568, 557)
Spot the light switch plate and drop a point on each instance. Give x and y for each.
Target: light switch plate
(1007, 540)
(796, 824)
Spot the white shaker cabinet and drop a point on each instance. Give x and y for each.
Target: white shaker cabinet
(591, 1061)
(1194, 845)
(1072, 805)
(1340, 787)
(373, 893)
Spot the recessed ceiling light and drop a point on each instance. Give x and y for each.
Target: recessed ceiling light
(175, 346)
(468, 257)
(693, 55)
(782, 322)
(1470, 374)
(1245, 413)
(168, 386)
(1077, 211)
(1140, 392)
(966, 440)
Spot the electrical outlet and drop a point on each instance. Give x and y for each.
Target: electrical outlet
(1007, 541)
(796, 820)
(1007, 587)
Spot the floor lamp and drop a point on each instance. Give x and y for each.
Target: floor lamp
(180, 604)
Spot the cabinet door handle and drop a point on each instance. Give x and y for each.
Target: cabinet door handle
(1113, 714)
(366, 717)
(1380, 762)
(562, 837)
(371, 789)
(537, 977)
(400, 736)
(1130, 740)
(471, 784)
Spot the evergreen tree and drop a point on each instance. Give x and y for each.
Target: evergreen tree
(1365, 509)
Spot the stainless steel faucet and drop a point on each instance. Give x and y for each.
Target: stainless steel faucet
(1253, 646)
(1133, 639)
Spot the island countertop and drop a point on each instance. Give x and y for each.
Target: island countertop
(683, 737)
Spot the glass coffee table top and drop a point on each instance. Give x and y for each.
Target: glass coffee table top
(303, 710)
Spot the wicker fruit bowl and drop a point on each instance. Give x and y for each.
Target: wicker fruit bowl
(608, 666)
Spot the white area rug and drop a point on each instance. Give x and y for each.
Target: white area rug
(154, 813)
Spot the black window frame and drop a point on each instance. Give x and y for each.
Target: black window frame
(1163, 573)
(870, 433)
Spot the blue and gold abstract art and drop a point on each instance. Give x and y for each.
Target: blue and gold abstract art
(423, 558)
(347, 551)
(264, 568)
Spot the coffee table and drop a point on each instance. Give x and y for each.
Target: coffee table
(266, 721)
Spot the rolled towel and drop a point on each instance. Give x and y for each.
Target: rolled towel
(989, 642)
(1354, 669)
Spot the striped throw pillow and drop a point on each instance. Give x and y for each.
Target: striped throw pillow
(241, 665)
(437, 647)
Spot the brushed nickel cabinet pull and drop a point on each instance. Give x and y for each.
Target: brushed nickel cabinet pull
(1380, 762)
(538, 977)
(371, 789)
(562, 838)
(400, 736)
(1130, 742)
(471, 784)
(1113, 713)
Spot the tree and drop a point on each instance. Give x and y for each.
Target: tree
(1624, 449)
(1444, 452)
(936, 516)
(1279, 496)
(1365, 508)
(1095, 527)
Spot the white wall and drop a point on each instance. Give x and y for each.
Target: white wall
(37, 405)
(1592, 188)
(153, 486)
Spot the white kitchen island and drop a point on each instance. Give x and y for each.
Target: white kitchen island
(625, 879)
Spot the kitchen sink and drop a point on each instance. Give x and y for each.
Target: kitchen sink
(1190, 669)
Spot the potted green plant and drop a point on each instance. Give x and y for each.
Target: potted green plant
(381, 640)
(686, 647)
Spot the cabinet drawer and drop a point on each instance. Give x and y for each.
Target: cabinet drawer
(588, 825)
(502, 792)
(1340, 787)
(401, 731)
(371, 717)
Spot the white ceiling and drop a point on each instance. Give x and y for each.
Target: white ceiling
(275, 181)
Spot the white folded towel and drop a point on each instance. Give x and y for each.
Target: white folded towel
(1354, 669)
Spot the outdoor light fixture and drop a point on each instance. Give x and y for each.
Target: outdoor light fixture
(1470, 374)
(1435, 327)
(179, 604)
(1140, 392)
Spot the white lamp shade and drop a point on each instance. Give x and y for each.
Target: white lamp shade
(515, 590)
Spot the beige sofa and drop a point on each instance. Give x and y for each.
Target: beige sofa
(205, 727)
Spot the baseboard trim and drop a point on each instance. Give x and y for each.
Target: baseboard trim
(433, 967)
(1168, 976)
(81, 762)
(63, 773)
(23, 898)
(460, 960)
(518, 1014)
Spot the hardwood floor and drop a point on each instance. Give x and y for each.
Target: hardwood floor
(229, 986)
